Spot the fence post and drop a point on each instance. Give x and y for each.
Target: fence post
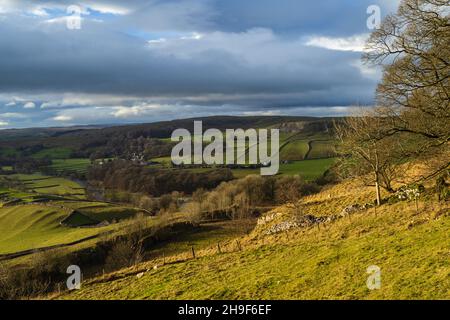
(193, 252)
(218, 247)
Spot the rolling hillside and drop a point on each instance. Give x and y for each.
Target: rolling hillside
(70, 150)
(50, 211)
(33, 226)
(310, 260)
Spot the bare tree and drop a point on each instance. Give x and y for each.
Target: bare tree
(413, 46)
(367, 152)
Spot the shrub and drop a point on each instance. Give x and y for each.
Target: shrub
(124, 253)
(442, 187)
(45, 273)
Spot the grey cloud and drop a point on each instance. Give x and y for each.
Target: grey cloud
(250, 55)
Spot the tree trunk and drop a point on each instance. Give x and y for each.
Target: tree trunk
(377, 187)
(377, 179)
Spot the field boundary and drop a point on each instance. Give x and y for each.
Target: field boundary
(10, 256)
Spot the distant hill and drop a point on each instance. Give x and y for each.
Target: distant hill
(14, 134)
(113, 140)
(163, 129)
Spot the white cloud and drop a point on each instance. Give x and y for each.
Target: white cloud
(64, 20)
(39, 11)
(29, 105)
(46, 105)
(13, 115)
(28, 6)
(57, 20)
(10, 104)
(107, 8)
(82, 100)
(193, 36)
(3, 123)
(262, 113)
(354, 43)
(62, 118)
(188, 36)
(134, 111)
(367, 71)
(160, 40)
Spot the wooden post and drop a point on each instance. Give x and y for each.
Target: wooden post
(218, 248)
(239, 245)
(164, 258)
(193, 252)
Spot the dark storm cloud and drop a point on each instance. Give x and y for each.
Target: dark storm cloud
(97, 61)
(325, 16)
(252, 55)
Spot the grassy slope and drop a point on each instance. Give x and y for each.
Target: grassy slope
(28, 226)
(33, 226)
(412, 250)
(50, 185)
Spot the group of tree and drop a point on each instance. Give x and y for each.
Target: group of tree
(127, 176)
(24, 165)
(412, 117)
(244, 197)
(125, 147)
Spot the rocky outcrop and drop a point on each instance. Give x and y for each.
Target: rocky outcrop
(273, 222)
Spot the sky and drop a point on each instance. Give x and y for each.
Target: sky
(141, 61)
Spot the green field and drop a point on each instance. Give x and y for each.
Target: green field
(322, 149)
(27, 224)
(96, 212)
(48, 185)
(308, 169)
(33, 226)
(295, 150)
(54, 153)
(71, 165)
(60, 156)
